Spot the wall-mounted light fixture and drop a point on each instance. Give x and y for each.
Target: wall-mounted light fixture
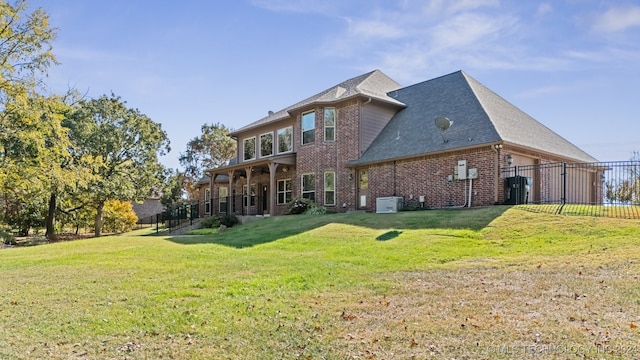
(509, 159)
(350, 176)
(497, 146)
(285, 169)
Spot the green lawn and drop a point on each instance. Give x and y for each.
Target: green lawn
(495, 282)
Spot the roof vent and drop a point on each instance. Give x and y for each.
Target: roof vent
(270, 112)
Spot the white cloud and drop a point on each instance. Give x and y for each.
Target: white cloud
(544, 9)
(298, 6)
(455, 6)
(468, 29)
(617, 19)
(374, 29)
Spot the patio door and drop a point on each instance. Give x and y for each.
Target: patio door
(363, 188)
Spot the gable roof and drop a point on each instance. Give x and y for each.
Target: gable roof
(374, 84)
(479, 117)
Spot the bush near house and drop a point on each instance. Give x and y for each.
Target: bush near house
(119, 217)
(228, 220)
(305, 206)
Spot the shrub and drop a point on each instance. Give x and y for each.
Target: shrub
(299, 205)
(6, 238)
(317, 210)
(229, 220)
(118, 216)
(305, 206)
(210, 223)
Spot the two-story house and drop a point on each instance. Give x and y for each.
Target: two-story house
(438, 143)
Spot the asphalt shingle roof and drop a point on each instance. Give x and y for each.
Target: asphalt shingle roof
(374, 84)
(479, 117)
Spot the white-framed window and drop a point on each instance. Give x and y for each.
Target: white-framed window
(249, 198)
(284, 191)
(309, 186)
(249, 146)
(223, 196)
(285, 140)
(329, 188)
(207, 201)
(308, 127)
(329, 124)
(266, 144)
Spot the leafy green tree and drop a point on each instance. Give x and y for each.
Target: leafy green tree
(211, 149)
(124, 145)
(25, 55)
(25, 49)
(173, 188)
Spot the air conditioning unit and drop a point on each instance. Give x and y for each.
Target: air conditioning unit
(391, 204)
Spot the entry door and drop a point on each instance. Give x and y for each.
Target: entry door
(265, 199)
(363, 188)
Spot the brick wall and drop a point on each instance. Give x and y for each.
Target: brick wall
(428, 176)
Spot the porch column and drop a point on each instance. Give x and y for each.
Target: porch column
(230, 198)
(272, 185)
(248, 170)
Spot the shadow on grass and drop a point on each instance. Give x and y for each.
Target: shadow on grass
(389, 235)
(278, 227)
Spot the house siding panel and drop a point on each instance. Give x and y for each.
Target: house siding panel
(374, 118)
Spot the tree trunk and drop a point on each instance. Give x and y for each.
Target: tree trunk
(51, 218)
(99, 210)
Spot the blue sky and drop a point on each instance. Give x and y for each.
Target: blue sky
(574, 65)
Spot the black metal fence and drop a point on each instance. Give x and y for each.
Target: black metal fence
(609, 189)
(237, 205)
(172, 217)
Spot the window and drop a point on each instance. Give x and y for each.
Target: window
(330, 188)
(329, 124)
(285, 140)
(223, 194)
(207, 201)
(250, 148)
(266, 144)
(308, 127)
(284, 191)
(250, 197)
(309, 186)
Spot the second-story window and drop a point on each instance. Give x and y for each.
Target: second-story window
(249, 148)
(329, 124)
(285, 140)
(308, 127)
(266, 144)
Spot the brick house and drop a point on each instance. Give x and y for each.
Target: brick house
(438, 143)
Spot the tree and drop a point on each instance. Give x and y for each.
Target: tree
(211, 149)
(173, 188)
(124, 145)
(25, 54)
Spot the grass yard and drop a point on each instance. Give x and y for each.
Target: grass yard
(489, 283)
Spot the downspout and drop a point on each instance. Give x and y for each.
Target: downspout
(496, 167)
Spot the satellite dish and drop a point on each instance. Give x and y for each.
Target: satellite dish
(443, 124)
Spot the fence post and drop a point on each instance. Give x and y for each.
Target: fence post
(564, 183)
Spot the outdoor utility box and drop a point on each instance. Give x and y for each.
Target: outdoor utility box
(389, 204)
(462, 169)
(517, 190)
